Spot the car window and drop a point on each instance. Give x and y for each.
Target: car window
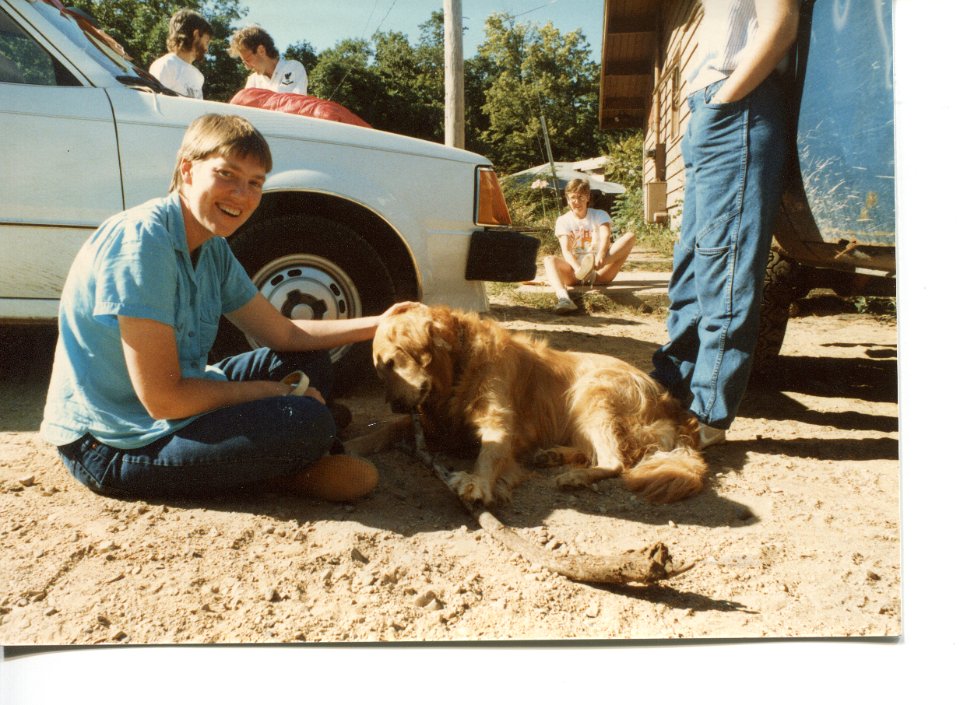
(107, 52)
(22, 60)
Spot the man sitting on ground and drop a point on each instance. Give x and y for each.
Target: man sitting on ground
(588, 251)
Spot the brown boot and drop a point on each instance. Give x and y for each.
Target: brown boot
(335, 478)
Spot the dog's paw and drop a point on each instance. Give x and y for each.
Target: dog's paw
(471, 488)
(574, 479)
(547, 458)
(503, 489)
(555, 457)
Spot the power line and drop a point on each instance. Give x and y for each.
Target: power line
(383, 19)
(527, 12)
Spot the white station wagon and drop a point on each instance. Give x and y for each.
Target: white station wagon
(352, 218)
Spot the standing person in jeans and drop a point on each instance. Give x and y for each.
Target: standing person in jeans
(733, 150)
(133, 406)
(255, 48)
(188, 39)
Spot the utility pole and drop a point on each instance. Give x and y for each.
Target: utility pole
(553, 167)
(453, 123)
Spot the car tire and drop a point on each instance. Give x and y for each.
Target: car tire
(312, 267)
(781, 287)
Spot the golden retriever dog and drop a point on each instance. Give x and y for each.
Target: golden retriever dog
(515, 399)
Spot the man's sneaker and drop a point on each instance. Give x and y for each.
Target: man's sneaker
(565, 306)
(710, 436)
(585, 269)
(335, 478)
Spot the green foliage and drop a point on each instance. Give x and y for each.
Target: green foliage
(531, 71)
(387, 81)
(342, 74)
(878, 305)
(533, 210)
(625, 166)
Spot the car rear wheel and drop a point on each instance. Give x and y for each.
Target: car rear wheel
(310, 267)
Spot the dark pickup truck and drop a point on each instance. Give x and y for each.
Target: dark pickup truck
(837, 221)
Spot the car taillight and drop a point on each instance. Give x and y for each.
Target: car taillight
(491, 205)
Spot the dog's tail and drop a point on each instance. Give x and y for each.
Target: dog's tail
(667, 476)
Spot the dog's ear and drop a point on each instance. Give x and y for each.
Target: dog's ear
(444, 329)
(403, 307)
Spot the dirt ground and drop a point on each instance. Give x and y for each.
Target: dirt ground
(798, 533)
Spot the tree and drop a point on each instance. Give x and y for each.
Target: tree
(529, 71)
(390, 83)
(625, 152)
(343, 74)
(412, 81)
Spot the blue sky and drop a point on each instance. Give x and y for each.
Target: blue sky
(325, 22)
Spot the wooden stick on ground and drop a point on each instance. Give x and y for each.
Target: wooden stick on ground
(650, 564)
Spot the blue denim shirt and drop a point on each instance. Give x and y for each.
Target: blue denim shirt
(136, 264)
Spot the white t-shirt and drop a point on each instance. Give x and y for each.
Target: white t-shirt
(728, 27)
(289, 76)
(583, 232)
(178, 75)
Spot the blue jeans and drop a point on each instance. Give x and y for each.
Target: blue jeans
(224, 449)
(733, 157)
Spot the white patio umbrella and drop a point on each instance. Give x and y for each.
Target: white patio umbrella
(542, 177)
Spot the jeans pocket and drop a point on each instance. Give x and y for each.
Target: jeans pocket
(730, 106)
(712, 266)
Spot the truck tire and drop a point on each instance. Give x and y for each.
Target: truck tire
(781, 287)
(312, 267)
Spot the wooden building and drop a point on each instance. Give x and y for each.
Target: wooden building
(647, 49)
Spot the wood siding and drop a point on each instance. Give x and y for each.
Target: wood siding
(626, 73)
(648, 50)
(667, 119)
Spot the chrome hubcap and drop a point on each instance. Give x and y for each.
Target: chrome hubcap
(307, 287)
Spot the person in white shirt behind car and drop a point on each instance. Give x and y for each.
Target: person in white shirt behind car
(255, 48)
(588, 252)
(135, 408)
(187, 41)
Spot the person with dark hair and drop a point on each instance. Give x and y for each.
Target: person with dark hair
(188, 39)
(255, 48)
(134, 407)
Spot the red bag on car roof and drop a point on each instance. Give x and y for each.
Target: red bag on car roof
(297, 104)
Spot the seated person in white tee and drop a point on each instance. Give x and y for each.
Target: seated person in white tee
(255, 48)
(588, 252)
(187, 40)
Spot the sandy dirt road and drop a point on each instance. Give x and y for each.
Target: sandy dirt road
(798, 533)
